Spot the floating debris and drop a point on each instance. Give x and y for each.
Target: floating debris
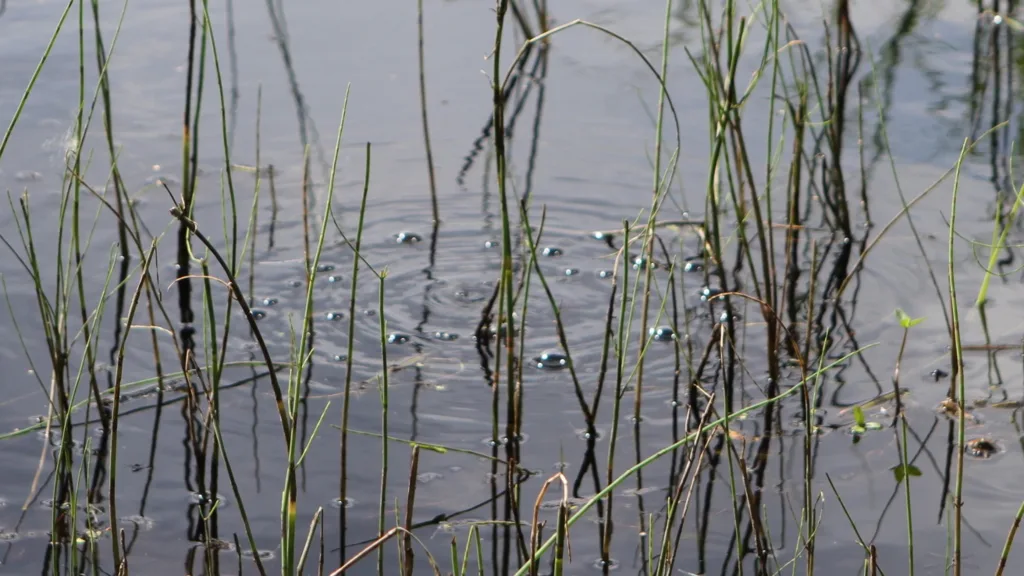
(552, 251)
(938, 374)
(663, 333)
(9, 536)
(982, 448)
(552, 360)
(951, 409)
(406, 237)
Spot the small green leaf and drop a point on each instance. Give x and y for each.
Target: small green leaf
(858, 416)
(905, 320)
(897, 471)
(900, 472)
(857, 429)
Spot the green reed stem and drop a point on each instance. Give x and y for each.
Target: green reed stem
(1005, 555)
(423, 113)
(118, 378)
(383, 418)
(349, 357)
(958, 374)
(35, 76)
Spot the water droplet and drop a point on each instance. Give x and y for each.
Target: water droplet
(141, 522)
(270, 301)
(709, 292)
(161, 180)
(398, 338)
(693, 266)
(334, 316)
(572, 271)
(491, 244)
(725, 317)
(585, 434)
(27, 176)
(258, 314)
(406, 237)
(663, 333)
(263, 554)
(639, 263)
(552, 251)
(333, 279)
(445, 336)
(552, 359)
(598, 235)
(501, 331)
(428, 477)
(325, 268)
(203, 498)
(605, 274)
(340, 357)
(348, 503)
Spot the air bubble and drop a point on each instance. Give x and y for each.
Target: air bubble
(406, 237)
(551, 360)
(663, 333)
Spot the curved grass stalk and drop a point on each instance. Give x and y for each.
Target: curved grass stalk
(766, 403)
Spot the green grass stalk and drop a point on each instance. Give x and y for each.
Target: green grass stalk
(958, 375)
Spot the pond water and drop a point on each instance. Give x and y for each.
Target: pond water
(581, 147)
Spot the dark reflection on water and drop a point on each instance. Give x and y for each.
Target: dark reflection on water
(579, 130)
